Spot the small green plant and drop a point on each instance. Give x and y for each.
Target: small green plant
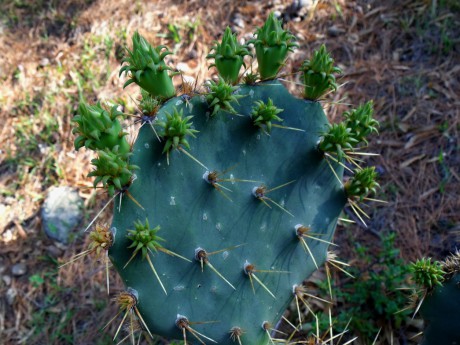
(373, 299)
(45, 315)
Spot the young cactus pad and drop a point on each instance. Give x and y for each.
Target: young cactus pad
(194, 213)
(246, 190)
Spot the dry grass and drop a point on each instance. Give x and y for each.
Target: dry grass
(402, 54)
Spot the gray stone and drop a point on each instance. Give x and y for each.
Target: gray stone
(2, 267)
(335, 31)
(11, 294)
(62, 211)
(7, 280)
(19, 269)
(238, 20)
(44, 62)
(54, 251)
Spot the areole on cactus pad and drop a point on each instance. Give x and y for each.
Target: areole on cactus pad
(232, 195)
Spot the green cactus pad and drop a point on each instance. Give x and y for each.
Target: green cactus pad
(215, 208)
(440, 311)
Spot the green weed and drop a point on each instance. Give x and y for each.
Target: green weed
(372, 300)
(33, 149)
(181, 33)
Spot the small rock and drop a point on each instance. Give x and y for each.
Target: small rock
(11, 294)
(9, 200)
(238, 20)
(54, 251)
(7, 280)
(183, 67)
(335, 31)
(44, 62)
(19, 269)
(304, 3)
(192, 54)
(61, 213)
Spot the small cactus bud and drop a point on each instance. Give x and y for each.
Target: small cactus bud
(318, 74)
(228, 56)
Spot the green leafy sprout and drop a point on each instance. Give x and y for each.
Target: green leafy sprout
(250, 78)
(98, 128)
(362, 184)
(427, 274)
(176, 128)
(264, 113)
(272, 45)
(113, 170)
(318, 74)
(360, 121)
(144, 238)
(228, 56)
(146, 68)
(337, 139)
(148, 104)
(220, 96)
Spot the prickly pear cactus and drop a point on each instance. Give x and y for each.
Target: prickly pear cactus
(228, 198)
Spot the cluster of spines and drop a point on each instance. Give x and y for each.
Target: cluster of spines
(340, 144)
(221, 95)
(264, 114)
(100, 130)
